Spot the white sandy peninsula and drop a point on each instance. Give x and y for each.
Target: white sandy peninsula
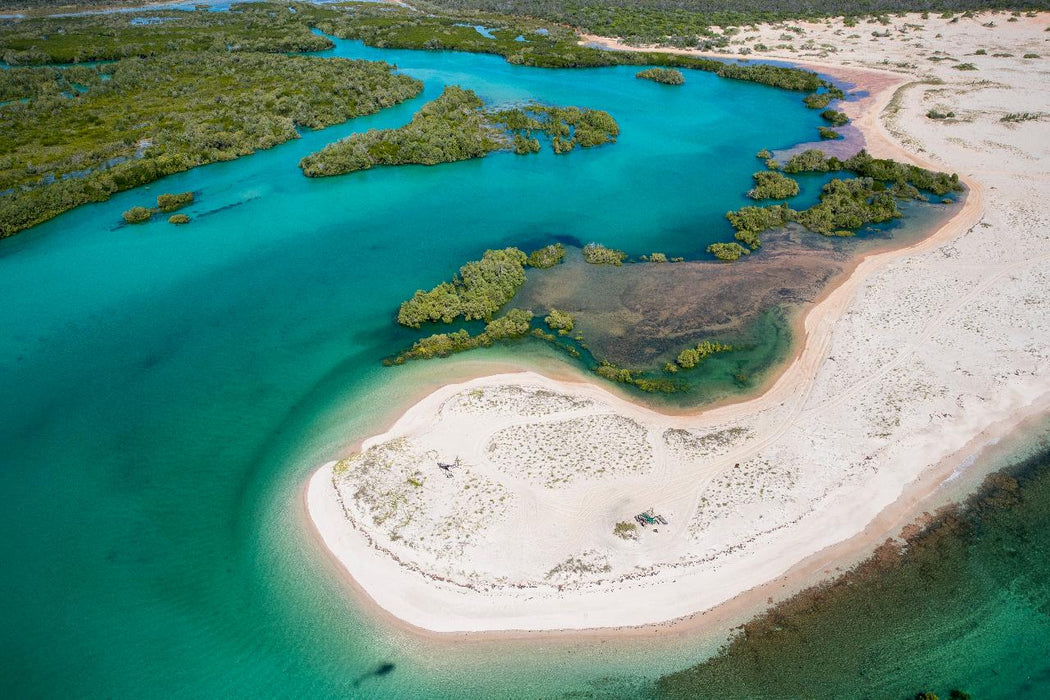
(915, 361)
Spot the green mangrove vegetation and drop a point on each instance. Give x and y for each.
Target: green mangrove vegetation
(542, 44)
(447, 129)
(818, 100)
(166, 203)
(455, 127)
(188, 88)
(609, 371)
(828, 134)
(165, 114)
(480, 289)
(882, 169)
(845, 204)
(727, 251)
(772, 185)
(667, 76)
(170, 202)
(137, 215)
(248, 27)
(547, 256)
(704, 24)
(560, 321)
(695, 356)
(567, 127)
(836, 117)
(597, 254)
(514, 324)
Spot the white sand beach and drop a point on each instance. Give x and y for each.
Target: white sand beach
(921, 356)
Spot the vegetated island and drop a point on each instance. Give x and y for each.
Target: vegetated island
(845, 204)
(666, 76)
(456, 127)
(166, 203)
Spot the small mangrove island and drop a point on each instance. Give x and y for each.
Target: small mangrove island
(455, 127)
(667, 76)
(846, 204)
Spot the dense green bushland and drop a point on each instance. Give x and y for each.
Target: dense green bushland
(27, 83)
(455, 127)
(449, 128)
(688, 23)
(882, 169)
(770, 184)
(169, 113)
(543, 44)
(667, 76)
(258, 27)
(845, 204)
(480, 289)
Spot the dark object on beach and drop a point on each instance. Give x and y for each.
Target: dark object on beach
(447, 468)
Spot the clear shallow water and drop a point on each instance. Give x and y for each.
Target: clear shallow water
(167, 390)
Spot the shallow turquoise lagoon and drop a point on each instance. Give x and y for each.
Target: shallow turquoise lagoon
(167, 390)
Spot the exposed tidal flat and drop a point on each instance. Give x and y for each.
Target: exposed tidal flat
(174, 388)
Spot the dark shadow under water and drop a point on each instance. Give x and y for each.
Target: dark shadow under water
(641, 315)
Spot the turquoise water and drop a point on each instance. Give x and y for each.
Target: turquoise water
(167, 390)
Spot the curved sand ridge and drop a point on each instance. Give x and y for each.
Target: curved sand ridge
(918, 358)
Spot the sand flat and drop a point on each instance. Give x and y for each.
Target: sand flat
(921, 356)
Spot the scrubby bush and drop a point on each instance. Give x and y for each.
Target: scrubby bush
(178, 219)
(136, 215)
(772, 185)
(480, 289)
(171, 202)
(560, 321)
(818, 100)
(727, 251)
(597, 254)
(667, 76)
(691, 357)
(547, 256)
(626, 530)
(836, 117)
